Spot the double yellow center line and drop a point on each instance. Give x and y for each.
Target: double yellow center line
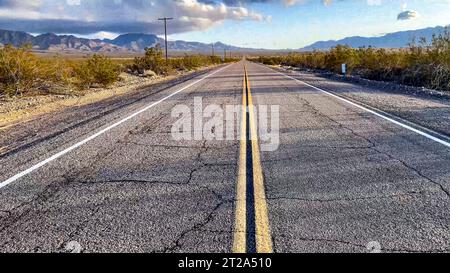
(252, 231)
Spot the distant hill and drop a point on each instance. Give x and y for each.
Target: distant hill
(135, 41)
(393, 40)
(131, 42)
(139, 41)
(15, 37)
(53, 42)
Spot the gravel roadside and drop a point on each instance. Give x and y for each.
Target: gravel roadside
(427, 108)
(21, 109)
(60, 114)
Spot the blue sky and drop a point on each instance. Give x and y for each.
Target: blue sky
(255, 23)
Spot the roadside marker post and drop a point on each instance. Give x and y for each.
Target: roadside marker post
(344, 69)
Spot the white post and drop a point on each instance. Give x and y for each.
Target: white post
(344, 69)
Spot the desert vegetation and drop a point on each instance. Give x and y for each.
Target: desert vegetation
(24, 73)
(424, 63)
(154, 61)
(97, 70)
(21, 71)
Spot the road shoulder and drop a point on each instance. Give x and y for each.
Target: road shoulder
(66, 117)
(426, 109)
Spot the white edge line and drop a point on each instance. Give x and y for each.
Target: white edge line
(81, 143)
(445, 143)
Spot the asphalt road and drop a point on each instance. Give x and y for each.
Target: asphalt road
(342, 178)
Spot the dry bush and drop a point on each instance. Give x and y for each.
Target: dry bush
(193, 62)
(341, 55)
(98, 70)
(422, 64)
(19, 70)
(154, 61)
(22, 72)
(57, 74)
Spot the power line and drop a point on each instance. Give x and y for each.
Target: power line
(165, 19)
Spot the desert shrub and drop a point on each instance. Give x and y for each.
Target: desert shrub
(57, 73)
(196, 61)
(341, 55)
(98, 70)
(19, 70)
(422, 64)
(314, 60)
(138, 66)
(192, 62)
(153, 60)
(270, 60)
(438, 53)
(22, 72)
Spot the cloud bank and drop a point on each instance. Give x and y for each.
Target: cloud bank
(118, 16)
(88, 17)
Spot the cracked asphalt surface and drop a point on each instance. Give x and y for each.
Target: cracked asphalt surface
(133, 189)
(343, 177)
(340, 179)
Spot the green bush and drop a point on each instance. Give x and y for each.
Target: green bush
(98, 70)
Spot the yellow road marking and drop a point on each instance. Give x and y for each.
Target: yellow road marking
(263, 234)
(240, 229)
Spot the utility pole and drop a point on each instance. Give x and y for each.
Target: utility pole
(224, 55)
(165, 19)
(213, 53)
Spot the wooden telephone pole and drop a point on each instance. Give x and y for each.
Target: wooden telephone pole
(165, 19)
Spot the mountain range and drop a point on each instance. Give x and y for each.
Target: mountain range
(131, 42)
(392, 40)
(137, 42)
(53, 42)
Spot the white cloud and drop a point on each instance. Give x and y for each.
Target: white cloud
(214, 13)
